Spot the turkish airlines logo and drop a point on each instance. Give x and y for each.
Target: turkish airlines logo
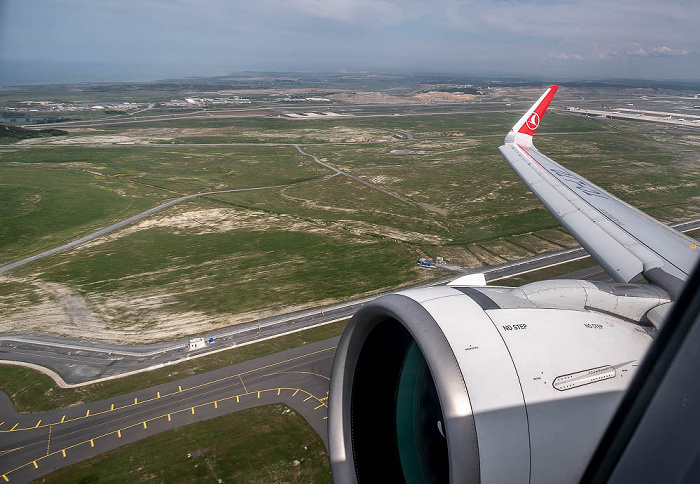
(533, 121)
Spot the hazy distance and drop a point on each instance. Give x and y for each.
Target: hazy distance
(87, 41)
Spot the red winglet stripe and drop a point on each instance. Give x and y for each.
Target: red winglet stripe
(533, 120)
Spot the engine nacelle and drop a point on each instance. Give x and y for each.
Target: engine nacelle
(490, 385)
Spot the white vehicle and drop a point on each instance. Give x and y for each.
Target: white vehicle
(477, 384)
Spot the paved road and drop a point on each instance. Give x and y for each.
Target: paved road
(34, 445)
(118, 225)
(79, 362)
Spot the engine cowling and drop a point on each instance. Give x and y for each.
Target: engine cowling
(490, 385)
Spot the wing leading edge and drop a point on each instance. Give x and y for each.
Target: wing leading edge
(626, 242)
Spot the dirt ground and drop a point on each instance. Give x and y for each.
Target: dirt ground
(125, 316)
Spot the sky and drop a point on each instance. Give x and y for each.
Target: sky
(45, 41)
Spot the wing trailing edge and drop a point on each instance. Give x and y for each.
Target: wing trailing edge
(626, 242)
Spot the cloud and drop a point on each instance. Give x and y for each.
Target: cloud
(457, 35)
(668, 52)
(388, 12)
(640, 51)
(568, 57)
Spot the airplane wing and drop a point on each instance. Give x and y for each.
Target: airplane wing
(438, 384)
(626, 242)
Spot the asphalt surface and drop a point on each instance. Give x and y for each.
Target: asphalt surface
(37, 444)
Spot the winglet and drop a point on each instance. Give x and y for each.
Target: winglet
(524, 129)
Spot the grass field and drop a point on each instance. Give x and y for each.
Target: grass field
(52, 195)
(314, 239)
(317, 239)
(353, 129)
(201, 266)
(231, 448)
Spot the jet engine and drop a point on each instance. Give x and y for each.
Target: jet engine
(484, 384)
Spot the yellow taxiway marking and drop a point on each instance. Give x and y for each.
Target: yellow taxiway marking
(299, 372)
(35, 466)
(112, 408)
(9, 451)
(37, 424)
(145, 423)
(5, 478)
(322, 405)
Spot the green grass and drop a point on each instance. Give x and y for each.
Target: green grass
(178, 169)
(49, 196)
(42, 207)
(225, 272)
(480, 196)
(361, 128)
(12, 134)
(317, 239)
(259, 445)
(31, 391)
